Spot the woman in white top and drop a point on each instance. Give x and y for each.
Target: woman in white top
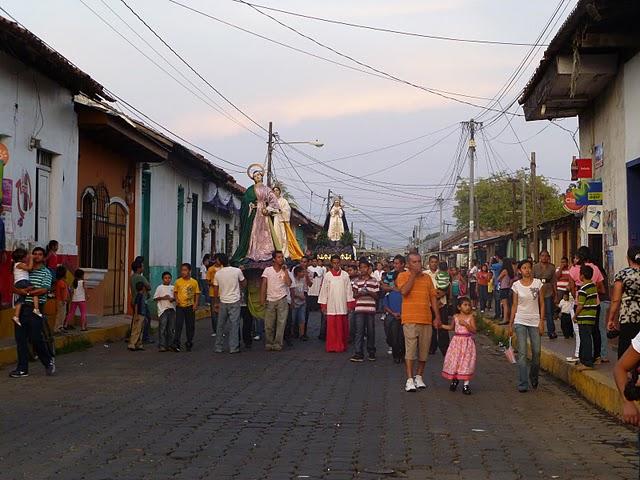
(527, 314)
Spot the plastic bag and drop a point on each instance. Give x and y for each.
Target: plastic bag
(509, 353)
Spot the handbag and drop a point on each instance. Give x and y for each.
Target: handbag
(509, 353)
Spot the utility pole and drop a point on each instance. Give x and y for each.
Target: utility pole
(524, 210)
(471, 125)
(328, 201)
(419, 234)
(534, 205)
(514, 216)
(440, 201)
(269, 155)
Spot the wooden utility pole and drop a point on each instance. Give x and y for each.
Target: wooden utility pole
(534, 207)
(514, 216)
(269, 155)
(328, 201)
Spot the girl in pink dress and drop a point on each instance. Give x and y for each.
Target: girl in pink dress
(460, 360)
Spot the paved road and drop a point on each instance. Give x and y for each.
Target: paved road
(300, 413)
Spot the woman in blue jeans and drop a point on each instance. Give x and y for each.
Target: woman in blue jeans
(527, 316)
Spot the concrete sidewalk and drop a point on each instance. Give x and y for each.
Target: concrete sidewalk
(100, 330)
(597, 386)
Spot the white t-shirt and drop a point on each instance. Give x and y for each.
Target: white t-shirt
(473, 274)
(635, 343)
(276, 286)
(228, 282)
(203, 271)
(528, 312)
(164, 305)
(377, 274)
(314, 290)
(79, 294)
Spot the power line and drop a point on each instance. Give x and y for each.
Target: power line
(216, 106)
(441, 93)
(172, 133)
(389, 30)
(306, 52)
(206, 100)
(386, 147)
(181, 58)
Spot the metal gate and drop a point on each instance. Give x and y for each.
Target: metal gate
(114, 282)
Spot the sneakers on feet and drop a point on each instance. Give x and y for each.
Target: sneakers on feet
(256, 338)
(410, 386)
(357, 358)
(572, 359)
(371, 357)
(390, 351)
(18, 374)
(419, 382)
(50, 370)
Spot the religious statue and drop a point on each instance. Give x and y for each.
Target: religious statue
(257, 235)
(336, 222)
(282, 227)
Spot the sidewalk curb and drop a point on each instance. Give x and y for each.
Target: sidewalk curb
(115, 333)
(594, 386)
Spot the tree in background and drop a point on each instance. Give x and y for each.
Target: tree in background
(494, 201)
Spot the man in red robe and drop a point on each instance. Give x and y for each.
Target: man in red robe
(336, 299)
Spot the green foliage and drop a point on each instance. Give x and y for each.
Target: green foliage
(346, 239)
(494, 200)
(322, 240)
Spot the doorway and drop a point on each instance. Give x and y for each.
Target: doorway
(194, 231)
(633, 201)
(180, 228)
(115, 293)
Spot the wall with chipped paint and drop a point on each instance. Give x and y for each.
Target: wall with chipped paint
(34, 106)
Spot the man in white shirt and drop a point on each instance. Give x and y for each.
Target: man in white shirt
(274, 291)
(226, 286)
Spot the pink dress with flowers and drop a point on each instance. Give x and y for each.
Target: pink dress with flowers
(460, 360)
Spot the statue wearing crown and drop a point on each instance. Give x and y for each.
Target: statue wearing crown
(258, 238)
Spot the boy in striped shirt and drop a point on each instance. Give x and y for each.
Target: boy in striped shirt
(365, 292)
(587, 317)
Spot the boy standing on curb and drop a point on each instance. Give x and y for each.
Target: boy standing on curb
(164, 297)
(587, 316)
(187, 292)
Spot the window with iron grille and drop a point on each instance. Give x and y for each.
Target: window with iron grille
(94, 228)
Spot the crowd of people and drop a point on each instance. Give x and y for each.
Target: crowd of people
(424, 309)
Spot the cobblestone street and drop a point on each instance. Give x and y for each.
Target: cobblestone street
(301, 413)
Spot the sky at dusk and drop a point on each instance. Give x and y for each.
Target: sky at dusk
(307, 98)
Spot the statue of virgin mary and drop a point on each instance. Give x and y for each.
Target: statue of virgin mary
(257, 234)
(336, 222)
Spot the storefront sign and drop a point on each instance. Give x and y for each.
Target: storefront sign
(569, 203)
(588, 192)
(594, 219)
(585, 168)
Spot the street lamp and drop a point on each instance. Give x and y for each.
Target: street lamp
(275, 140)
